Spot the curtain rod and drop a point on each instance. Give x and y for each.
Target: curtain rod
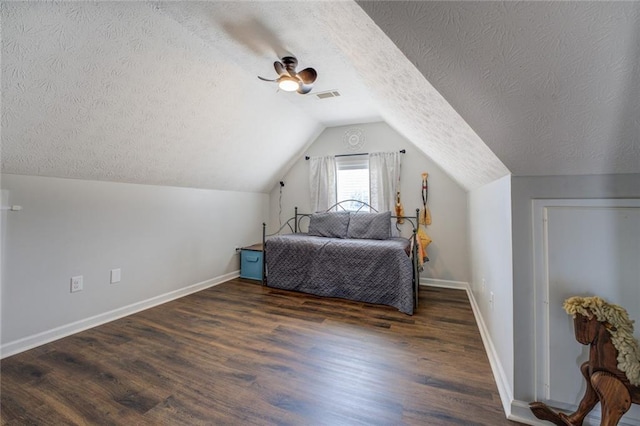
(402, 151)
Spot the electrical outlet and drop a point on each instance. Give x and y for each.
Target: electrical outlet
(484, 286)
(115, 276)
(491, 299)
(76, 283)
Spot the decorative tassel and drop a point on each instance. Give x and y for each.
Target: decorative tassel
(399, 208)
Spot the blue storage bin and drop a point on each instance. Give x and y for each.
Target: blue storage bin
(251, 264)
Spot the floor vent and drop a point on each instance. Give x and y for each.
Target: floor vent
(329, 94)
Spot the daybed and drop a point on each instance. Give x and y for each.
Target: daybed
(345, 254)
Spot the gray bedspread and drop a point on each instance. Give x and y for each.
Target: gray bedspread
(373, 271)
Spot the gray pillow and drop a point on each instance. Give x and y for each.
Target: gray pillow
(371, 226)
(332, 225)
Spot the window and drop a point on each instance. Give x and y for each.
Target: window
(352, 181)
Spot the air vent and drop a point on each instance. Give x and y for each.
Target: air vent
(328, 94)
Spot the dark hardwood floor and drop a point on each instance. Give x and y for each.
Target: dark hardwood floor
(243, 354)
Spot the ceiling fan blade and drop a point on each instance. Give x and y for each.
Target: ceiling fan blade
(308, 75)
(279, 67)
(304, 88)
(289, 80)
(290, 63)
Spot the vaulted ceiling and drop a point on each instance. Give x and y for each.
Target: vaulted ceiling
(167, 92)
(553, 88)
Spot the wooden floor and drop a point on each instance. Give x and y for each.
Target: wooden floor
(243, 354)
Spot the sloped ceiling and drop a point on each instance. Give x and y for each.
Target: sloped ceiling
(167, 92)
(553, 88)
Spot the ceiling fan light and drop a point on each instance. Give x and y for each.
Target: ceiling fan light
(288, 84)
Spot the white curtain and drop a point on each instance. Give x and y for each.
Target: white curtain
(384, 179)
(322, 180)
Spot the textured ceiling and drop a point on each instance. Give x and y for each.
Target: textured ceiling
(166, 92)
(553, 88)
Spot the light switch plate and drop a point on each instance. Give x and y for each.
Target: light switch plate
(115, 276)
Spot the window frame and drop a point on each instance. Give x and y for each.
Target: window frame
(354, 163)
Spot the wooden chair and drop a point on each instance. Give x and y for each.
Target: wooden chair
(606, 383)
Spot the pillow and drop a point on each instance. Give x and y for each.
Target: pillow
(371, 226)
(332, 225)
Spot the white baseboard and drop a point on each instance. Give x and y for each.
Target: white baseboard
(434, 282)
(514, 409)
(505, 391)
(506, 394)
(520, 412)
(38, 339)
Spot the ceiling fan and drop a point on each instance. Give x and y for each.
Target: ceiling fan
(289, 80)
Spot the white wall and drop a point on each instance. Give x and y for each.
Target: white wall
(447, 200)
(581, 248)
(4, 202)
(492, 275)
(523, 191)
(164, 239)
